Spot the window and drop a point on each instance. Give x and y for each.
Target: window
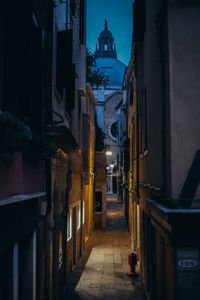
(78, 216)
(65, 69)
(34, 19)
(69, 225)
(131, 92)
(73, 7)
(83, 212)
(115, 129)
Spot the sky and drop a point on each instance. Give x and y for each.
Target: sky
(119, 16)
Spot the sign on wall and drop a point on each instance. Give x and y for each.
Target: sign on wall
(188, 259)
(187, 264)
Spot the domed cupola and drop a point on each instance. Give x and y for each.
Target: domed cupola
(105, 47)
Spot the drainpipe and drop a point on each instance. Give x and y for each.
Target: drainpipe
(67, 190)
(137, 142)
(164, 117)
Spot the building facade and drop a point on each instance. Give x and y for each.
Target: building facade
(109, 100)
(23, 148)
(47, 131)
(162, 99)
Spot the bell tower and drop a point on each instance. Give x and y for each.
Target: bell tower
(106, 46)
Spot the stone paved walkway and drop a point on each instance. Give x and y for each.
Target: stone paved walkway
(105, 273)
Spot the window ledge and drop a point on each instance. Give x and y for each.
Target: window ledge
(20, 198)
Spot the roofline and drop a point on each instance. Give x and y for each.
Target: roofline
(91, 94)
(110, 95)
(112, 58)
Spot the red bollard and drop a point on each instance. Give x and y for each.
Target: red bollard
(132, 261)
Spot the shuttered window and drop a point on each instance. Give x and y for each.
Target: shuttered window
(64, 58)
(86, 142)
(65, 77)
(34, 79)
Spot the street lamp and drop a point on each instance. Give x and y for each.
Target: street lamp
(108, 151)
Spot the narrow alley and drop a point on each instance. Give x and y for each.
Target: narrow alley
(99, 150)
(102, 272)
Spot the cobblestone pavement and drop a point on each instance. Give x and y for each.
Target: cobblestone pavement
(105, 273)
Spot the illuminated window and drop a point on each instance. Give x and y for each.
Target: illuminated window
(83, 220)
(78, 216)
(69, 225)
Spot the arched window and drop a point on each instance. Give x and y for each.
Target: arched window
(114, 129)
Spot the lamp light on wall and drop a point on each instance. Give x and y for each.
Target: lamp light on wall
(111, 166)
(108, 151)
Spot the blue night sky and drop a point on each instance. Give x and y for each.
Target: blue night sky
(119, 16)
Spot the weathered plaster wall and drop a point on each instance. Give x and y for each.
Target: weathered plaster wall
(184, 49)
(111, 103)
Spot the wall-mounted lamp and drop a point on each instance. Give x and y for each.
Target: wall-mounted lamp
(111, 166)
(108, 151)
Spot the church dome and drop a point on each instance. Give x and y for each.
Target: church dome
(106, 34)
(113, 69)
(106, 59)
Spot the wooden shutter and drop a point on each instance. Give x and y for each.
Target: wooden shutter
(70, 90)
(65, 67)
(64, 57)
(86, 143)
(34, 78)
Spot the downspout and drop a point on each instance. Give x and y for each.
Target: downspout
(64, 215)
(49, 207)
(94, 196)
(137, 142)
(164, 154)
(160, 21)
(48, 187)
